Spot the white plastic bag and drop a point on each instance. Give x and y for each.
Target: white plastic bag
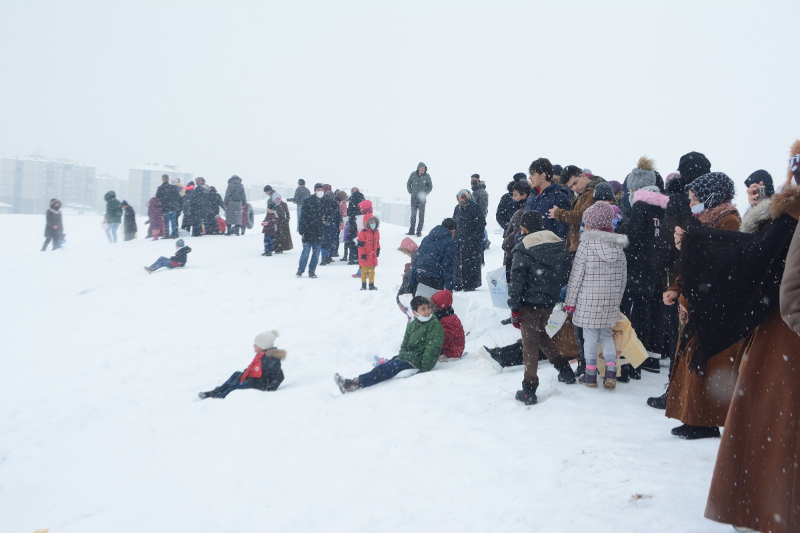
(498, 288)
(557, 319)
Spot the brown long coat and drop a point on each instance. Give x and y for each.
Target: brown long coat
(283, 235)
(790, 285)
(692, 399)
(574, 215)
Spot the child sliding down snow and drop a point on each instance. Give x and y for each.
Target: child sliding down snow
(420, 350)
(177, 260)
(595, 290)
(264, 372)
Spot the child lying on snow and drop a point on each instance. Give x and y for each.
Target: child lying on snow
(177, 260)
(453, 347)
(422, 344)
(263, 373)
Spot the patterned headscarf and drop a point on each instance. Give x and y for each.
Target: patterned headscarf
(712, 189)
(465, 194)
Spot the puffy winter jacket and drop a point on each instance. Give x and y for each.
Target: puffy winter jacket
(539, 269)
(113, 208)
(454, 338)
(180, 257)
(553, 195)
(649, 251)
(422, 344)
(505, 210)
(435, 257)
(311, 220)
(419, 186)
(369, 244)
(265, 372)
(481, 197)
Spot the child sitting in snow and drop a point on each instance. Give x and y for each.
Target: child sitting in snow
(270, 224)
(264, 372)
(369, 248)
(596, 284)
(419, 350)
(177, 260)
(453, 347)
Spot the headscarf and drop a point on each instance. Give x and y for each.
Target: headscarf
(712, 189)
(463, 195)
(275, 197)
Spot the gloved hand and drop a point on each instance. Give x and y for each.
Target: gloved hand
(516, 319)
(378, 253)
(364, 257)
(570, 309)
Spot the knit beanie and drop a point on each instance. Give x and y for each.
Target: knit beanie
(301, 181)
(603, 191)
(532, 221)
(693, 165)
(616, 187)
(712, 189)
(266, 339)
(179, 243)
(760, 176)
(599, 216)
(642, 175)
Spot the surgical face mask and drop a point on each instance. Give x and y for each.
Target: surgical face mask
(697, 209)
(320, 194)
(423, 318)
(373, 226)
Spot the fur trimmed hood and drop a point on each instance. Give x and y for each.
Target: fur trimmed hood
(757, 217)
(786, 202)
(372, 219)
(276, 353)
(540, 237)
(604, 236)
(649, 197)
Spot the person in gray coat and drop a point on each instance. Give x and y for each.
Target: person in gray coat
(481, 197)
(234, 202)
(419, 186)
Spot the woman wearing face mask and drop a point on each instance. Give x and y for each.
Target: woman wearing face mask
(419, 351)
(700, 400)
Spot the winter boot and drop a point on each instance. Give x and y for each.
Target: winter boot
(346, 385)
(610, 380)
(312, 275)
(699, 432)
(589, 379)
(410, 232)
(299, 273)
(636, 373)
(659, 402)
(489, 355)
(506, 321)
(372, 287)
(363, 286)
(566, 375)
(581, 370)
(526, 396)
(651, 364)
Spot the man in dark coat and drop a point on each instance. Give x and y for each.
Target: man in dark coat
(200, 207)
(469, 243)
(353, 211)
(301, 193)
(507, 206)
(539, 270)
(545, 194)
(170, 199)
(419, 186)
(311, 229)
(432, 266)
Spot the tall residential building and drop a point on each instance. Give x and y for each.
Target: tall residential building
(143, 182)
(28, 183)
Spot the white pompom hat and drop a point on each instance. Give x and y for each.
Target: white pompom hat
(266, 340)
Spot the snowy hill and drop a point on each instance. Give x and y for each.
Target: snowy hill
(101, 429)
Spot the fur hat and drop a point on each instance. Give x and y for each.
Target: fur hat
(642, 175)
(266, 339)
(599, 216)
(179, 243)
(693, 165)
(603, 191)
(532, 221)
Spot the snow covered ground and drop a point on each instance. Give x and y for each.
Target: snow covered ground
(101, 429)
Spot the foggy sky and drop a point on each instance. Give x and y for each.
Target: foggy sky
(356, 93)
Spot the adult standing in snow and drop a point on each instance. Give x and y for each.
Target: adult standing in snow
(583, 186)
(419, 186)
(311, 228)
(545, 194)
(54, 226)
(301, 193)
(481, 198)
(186, 206)
(351, 229)
(233, 203)
(432, 267)
(213, 204)
(200, 207)
(283, 235)
(129, 227)
(330, 221)
(113, 216)
(170, 198)
(469, 242)
(507, 206)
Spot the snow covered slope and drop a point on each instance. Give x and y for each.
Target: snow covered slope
(101, 429)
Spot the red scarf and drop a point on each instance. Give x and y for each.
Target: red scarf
(254, 369)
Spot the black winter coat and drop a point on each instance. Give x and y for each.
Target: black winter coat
(271, 373)
(129, 227)
(53, 218)
(200, 206)
(539, 270)
(169, 197)
(214, 205)
(505, 210)
(311, 220)
(649, 251)
(180, 256)
(469, 246)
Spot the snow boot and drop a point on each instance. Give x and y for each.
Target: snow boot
(489, 355)
(610, 379)
(566, 375)
(312, 275)
(363, 286)
(419, 233)
(410, 232)
(590, 380)
(526, 396)
(651, 364)
(659, 402)
(581, 370)
(698, 432)
(372, 287)
(505, 321)
(346, 385)
(299, 273)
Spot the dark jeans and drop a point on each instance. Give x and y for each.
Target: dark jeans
(161, 262)
(417, 205)
(171, 223)
(233, 383)
(387, 370)
(313, 249)
(269, 243)
(56, 242)
(350, 251)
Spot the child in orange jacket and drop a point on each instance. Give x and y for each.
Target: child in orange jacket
(369, 248)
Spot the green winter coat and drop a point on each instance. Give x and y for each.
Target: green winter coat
(419, 184)
(422, 344)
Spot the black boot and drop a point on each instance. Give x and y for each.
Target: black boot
(526, 396)
(372, 287)
(506, 321)
(510, 355)
(659, 402)
(363, 286)
(410, 232)
(566, 375)
(581, 370)
(651, 364)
